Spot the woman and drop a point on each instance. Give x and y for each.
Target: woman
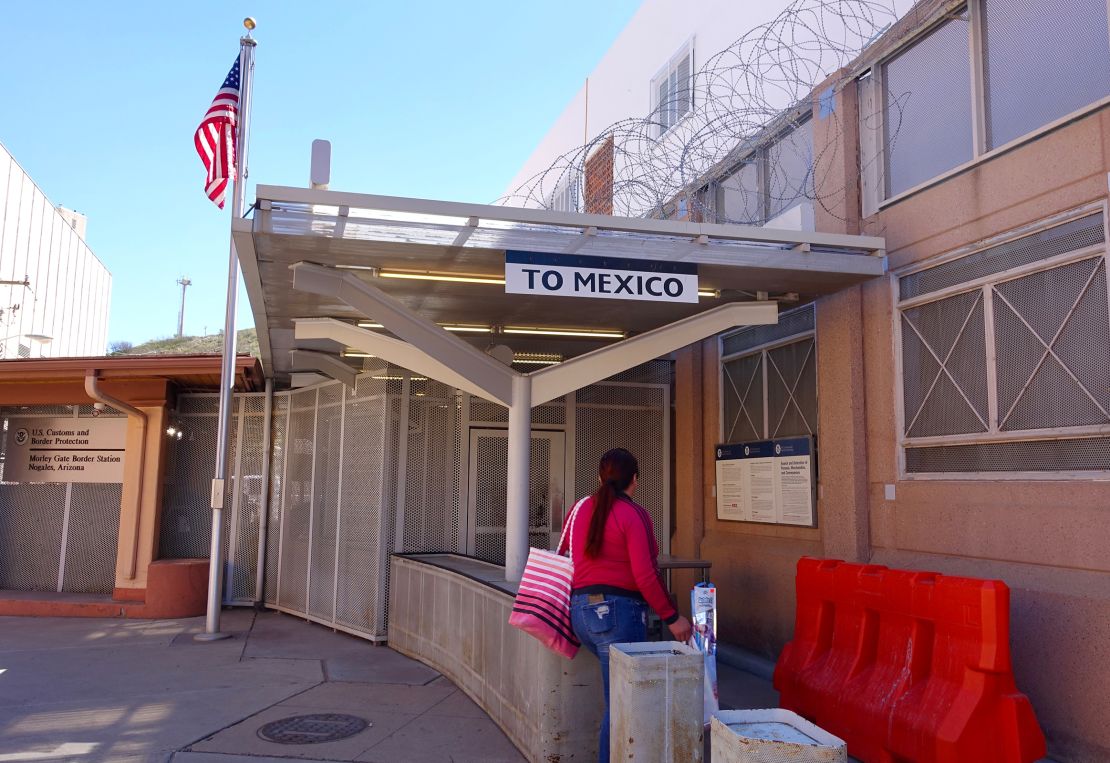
(615, 574)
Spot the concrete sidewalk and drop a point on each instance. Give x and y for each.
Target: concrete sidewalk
(88, 690)
(126, 691)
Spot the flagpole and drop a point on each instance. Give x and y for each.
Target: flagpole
(227, 370)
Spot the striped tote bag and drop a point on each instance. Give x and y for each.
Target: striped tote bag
(542, 606)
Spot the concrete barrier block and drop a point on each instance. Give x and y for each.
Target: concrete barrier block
(656, 702)
(772, 736)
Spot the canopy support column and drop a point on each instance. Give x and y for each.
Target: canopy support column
(517, 494)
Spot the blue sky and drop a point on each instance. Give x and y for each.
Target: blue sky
(432, 99)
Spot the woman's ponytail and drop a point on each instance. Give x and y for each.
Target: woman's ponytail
(615, 473)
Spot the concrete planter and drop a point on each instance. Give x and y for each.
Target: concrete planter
(772, 736)
(655, 702)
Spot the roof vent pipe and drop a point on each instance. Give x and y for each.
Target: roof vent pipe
(92, 389)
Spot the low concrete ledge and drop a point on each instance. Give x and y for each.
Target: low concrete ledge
(452, 613)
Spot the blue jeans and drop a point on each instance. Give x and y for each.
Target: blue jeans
(615, 620)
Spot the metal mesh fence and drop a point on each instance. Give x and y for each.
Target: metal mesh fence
(186, 526)
(246, 506)
(363, 534)
(292, 577)
(607, 421)
(359, 474)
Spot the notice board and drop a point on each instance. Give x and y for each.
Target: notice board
(769, 481)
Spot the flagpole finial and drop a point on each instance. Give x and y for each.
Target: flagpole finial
(250, 24)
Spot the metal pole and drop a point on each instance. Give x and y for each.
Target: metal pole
(516, 498)
(227, 372)
(184, 283)
(264, 500)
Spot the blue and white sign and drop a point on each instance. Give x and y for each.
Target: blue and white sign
(769, 481)
(572, 275)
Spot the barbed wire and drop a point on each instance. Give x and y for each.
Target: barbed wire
(748, 125)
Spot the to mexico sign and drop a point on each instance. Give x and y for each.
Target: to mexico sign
(66, 449)
(571, 275)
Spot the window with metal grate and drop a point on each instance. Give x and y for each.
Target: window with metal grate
(928, 107)
(1009, 371)
(1042, 61)
(769, 380)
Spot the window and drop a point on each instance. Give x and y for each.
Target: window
(1004, 361)
(928, 107)
(1042, 62)
(769, 380)
(987, 75)
(672, 89)
(772, 179)
(565, 197)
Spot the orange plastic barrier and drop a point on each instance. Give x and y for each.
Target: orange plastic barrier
(907, 666)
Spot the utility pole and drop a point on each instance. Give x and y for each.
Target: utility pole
(184, 283)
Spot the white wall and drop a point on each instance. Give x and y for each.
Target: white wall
(619, 88)
(70, 289)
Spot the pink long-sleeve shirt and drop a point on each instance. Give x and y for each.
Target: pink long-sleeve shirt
(627, 562)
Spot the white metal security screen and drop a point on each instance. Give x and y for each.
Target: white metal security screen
(390, 466)
(488, 468)
(57, 536)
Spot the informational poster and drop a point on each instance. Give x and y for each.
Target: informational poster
(65, 450)
(770, 481)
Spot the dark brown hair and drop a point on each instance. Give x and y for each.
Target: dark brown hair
(617, 469)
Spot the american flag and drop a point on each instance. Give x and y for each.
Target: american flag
(216, 136)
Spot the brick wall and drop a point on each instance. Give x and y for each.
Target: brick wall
(599, 180)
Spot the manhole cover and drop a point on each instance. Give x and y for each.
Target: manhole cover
(310, 729)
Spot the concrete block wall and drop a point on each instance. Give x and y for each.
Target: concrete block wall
(548, 706)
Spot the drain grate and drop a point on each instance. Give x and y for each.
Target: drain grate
(311, 729)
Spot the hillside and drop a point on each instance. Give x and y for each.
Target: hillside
(247, 342)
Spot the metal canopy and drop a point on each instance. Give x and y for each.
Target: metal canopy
(317, 262)
(370, 236)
